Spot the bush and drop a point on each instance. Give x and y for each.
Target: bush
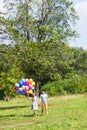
(77, 84)
(8, 81)
(54, 88)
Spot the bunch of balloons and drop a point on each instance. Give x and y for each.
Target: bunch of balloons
(25, 86)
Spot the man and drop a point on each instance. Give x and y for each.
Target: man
(44, 102)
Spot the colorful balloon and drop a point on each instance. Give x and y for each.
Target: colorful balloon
(26, 80)
(25, 87)
(26, 83)
(17, 85)
(33, 88)
(29, 81)
(33, 83)
(30, 86)
(23, 81)
(30, 91)
(15, 88)
(26, 92)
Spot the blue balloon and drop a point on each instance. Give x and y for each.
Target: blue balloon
(20, 91)
(23, 93)
(21, 83)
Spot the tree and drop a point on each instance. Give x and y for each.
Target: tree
(45, 23)
(40, 21)
(10, 70)
(40, 31)
(80, 60)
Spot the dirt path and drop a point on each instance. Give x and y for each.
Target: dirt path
(17, 125)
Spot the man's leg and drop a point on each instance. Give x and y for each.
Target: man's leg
(46, 108)
(42, 105)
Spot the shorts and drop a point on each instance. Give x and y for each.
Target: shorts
(44, 105)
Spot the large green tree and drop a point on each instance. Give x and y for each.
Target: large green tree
(40, 31)
(40, 21)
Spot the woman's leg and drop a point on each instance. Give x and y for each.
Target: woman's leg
(35, 113)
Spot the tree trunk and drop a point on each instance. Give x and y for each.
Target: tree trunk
(37, 88)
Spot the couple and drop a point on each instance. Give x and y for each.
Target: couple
(44, 101)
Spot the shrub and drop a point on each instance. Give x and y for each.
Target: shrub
(77, 84)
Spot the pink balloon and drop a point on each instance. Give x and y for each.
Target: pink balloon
(26, 88)
(30, 86)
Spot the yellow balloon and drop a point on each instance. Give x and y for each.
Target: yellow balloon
(23, 87)
(33, 83)
(31, 80)
(30, 91)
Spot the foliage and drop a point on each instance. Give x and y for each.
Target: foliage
(39, 34)
(73, 84)
(80, 60)
(10, 72)
(34, 20)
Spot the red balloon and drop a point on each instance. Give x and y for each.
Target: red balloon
(16, 89)
(26, 92)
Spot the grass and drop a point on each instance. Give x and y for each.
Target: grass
(65, 113)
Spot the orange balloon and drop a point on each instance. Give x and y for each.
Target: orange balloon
(29, 82)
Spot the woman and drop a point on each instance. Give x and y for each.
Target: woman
(34, 103)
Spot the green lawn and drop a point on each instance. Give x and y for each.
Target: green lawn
(65, 113)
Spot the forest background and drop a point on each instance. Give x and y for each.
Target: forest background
(39, 33)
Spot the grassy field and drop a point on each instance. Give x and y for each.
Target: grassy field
(65, 113)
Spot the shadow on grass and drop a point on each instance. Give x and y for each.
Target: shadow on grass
(5, 116)
(32, 115)
(28, 115)
(12, 107)
(13, 115)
